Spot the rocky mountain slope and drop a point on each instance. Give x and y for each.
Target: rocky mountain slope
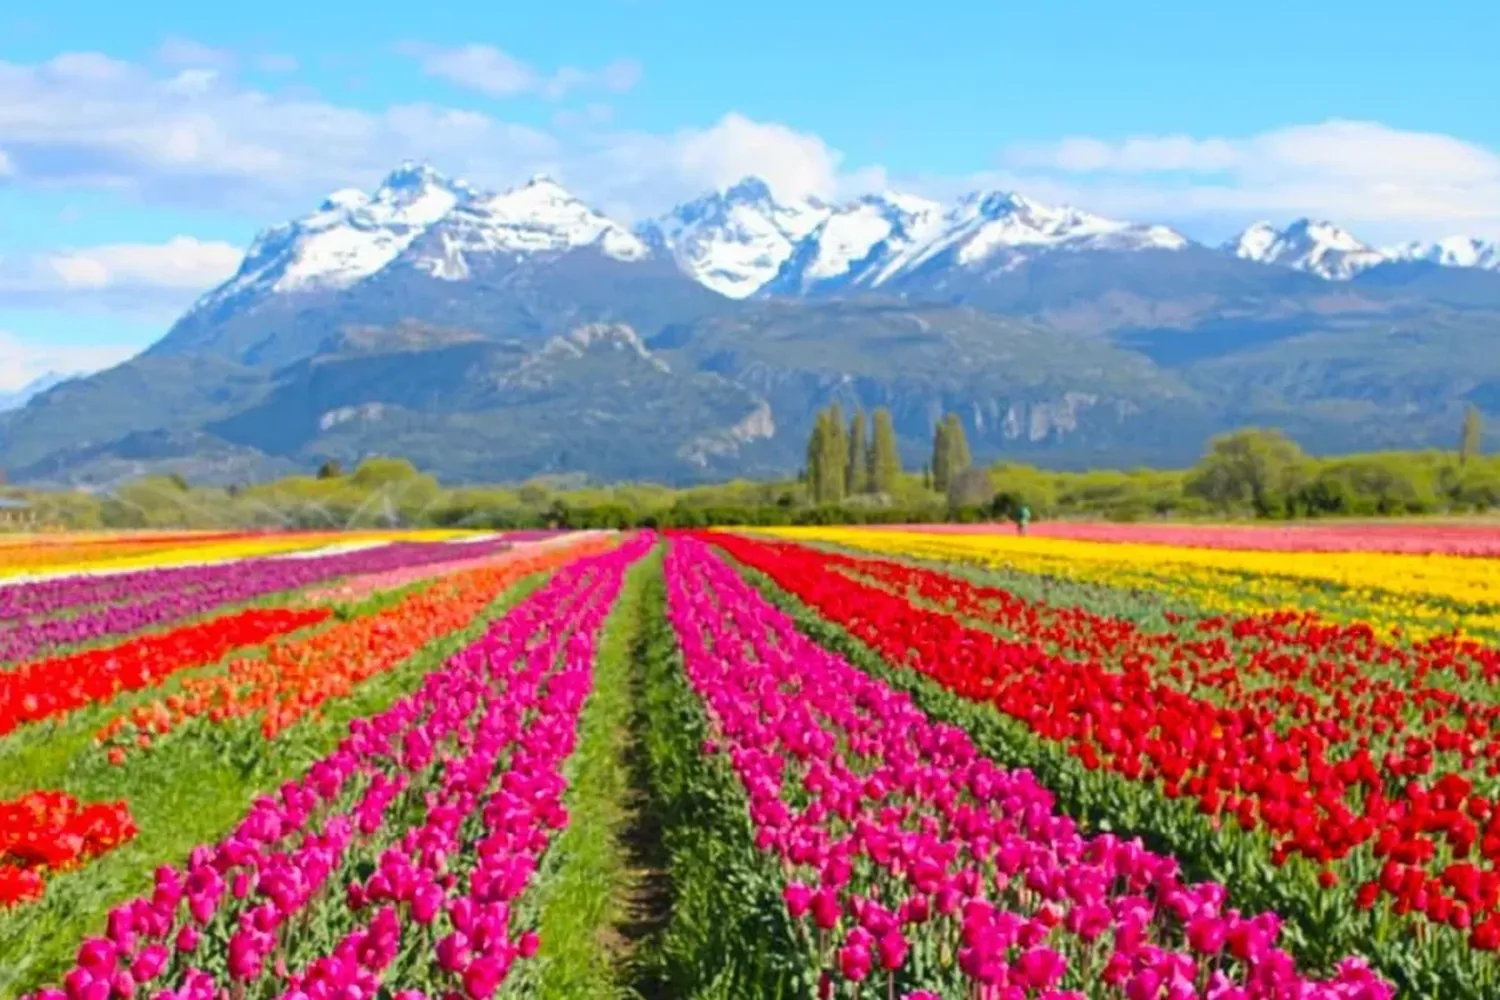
(499, 335)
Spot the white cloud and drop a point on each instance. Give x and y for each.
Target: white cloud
(23, 362)
(496, 73)
(618, 77)
(1154, 153)
(792, 163)
(193, 136)
(88, 67)
(137, 277)
(479, 67)
(84, 121)
(185, 53)
(1395, 182)
(631, 174)
(182, 262)
(187, 138)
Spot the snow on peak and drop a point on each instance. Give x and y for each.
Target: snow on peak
(1316, 247)
(1455, 251)
(1255, 242)
(345, 199)
(353, 235)
(349, 237)
(1005, 224)
(852, 237)
(882, 238)
(734, 241)
(541, 216)
(1000, 230)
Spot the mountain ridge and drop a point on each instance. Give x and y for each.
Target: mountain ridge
(742, 240)
(501, 335)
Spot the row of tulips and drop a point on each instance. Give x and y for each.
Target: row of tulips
(62, 551)
(914, 862)
(399, 857)
(296, 676)
(1295, 660)
(52, 541)
(45, 598)
(358, 588)
(1475, 540)
(211, 587)
(42, 832)
(37, 599)
(111, 556)
(1396, 828)
(1421, 595)
(55, 687)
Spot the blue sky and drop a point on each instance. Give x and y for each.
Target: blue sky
(143, 144)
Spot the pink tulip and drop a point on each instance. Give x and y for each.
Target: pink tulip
(854, 962)
(900, 824)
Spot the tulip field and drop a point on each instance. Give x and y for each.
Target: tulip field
(1094, 761)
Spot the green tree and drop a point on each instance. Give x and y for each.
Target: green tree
(940, 452)
(959, 458)
(884, 459)
(1470, 435)
(837, 445)
(950, 451)
(1251, 468)
(859, 455)
(330, 469)
(828, 457)
(814, 461)
(374, 472)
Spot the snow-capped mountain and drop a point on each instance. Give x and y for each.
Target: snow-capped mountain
(349, 237)
(391, 253)
(738, 242)
(882, 240)
(842, 249)
(1319, 248)
(735, 241)
(1000, 230)
(1455, 251)
(540, 217)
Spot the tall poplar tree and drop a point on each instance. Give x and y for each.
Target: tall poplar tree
(885, 460)
(940, 452)
(828, 457)
(859, 460)
(838, 454)
(1470, 435)
(959, 458)
(950, 451)
(815, 458)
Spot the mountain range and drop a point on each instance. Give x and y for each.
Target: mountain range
(494, 336)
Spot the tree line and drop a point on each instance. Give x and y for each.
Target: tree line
(853, 474)
(843, 460)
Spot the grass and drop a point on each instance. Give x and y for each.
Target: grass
(189, 792)
(728, 935)
(584, 883)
